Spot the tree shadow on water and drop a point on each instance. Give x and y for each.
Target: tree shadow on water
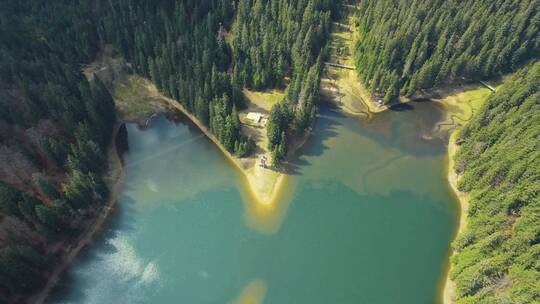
(294, 166)
(406, 128)
(402, 107)
(325, 128)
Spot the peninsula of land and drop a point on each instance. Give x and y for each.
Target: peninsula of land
(138, 100)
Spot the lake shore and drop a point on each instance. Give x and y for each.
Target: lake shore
(341, 86)
(139, 101)
(461, 104)
(448, 292)
(114, 179)
(263, 183)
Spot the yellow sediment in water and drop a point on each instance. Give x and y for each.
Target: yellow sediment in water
(253, 293)
(461, 107)
(266, 214)
(264, 196)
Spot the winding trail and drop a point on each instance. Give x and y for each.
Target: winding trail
(339, 94)
(454, 124)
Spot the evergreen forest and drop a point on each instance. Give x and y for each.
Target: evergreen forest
(55, 129)
(57, 126)
(498, 254)
(403, 47)
(203, 53)
(194, 51)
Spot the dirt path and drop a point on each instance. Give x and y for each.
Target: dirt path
(340, 83)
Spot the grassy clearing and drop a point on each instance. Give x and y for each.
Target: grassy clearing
(341, 43)
(134, 101)
(263, 100)
(341, 86)
(464, 104)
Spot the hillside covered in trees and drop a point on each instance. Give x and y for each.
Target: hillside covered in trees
(55, 127)
(406, 46)
(498, 254)
(203, 53)
(181, 47)
(283, 43)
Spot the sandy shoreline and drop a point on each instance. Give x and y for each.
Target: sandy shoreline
(264, 184)
(264, 187)
(139, 97)
(116, 173)
(461, 106)
(448, 292)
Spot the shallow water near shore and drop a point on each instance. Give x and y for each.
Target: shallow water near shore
(368, 219)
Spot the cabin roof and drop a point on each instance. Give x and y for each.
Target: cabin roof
(255, 116)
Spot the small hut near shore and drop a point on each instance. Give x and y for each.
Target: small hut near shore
(257, 118)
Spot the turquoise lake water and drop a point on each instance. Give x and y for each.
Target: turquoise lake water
(368, 219)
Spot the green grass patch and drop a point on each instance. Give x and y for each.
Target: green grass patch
(264, 100)
(134, 100)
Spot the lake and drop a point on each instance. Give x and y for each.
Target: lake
(366, 217)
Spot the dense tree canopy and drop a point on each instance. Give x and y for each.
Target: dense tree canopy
(498, 254)
(201, 53)
(190, 49)
(405, 46)
(183, 47)
(54, 128)
(55, 125)
(283, 42)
